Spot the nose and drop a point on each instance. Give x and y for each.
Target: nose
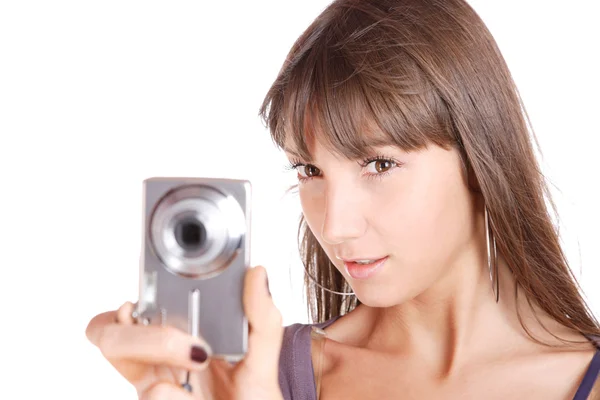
(344, 219)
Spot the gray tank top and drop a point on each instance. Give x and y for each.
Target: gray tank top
(297, 378)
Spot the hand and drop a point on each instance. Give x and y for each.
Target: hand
(155, 359)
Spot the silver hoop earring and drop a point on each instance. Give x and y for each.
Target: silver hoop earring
(490, 241)
(313, 280)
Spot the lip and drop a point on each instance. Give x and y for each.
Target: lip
(360, 258)
(364, 271)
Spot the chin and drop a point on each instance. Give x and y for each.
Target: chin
(383, 295)
(376, 298)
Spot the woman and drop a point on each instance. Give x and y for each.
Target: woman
(433, 266)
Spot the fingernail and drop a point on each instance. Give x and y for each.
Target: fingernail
(198, 354)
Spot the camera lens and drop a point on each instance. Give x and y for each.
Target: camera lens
(190, 234)
(196, 230)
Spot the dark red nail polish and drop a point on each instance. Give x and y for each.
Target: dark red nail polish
(198, 354)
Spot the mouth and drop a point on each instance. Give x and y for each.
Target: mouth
(364, 268)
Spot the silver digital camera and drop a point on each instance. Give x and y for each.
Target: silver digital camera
(195, 253)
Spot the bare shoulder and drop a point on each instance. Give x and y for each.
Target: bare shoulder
(561, 361)
(351, 329)
(595, 393)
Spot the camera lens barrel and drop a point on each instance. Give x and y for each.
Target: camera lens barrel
(196, 230)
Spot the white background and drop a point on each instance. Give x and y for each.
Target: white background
(97, 96)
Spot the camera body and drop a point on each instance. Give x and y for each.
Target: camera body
(195, 253)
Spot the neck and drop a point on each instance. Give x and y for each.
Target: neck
(451, 323)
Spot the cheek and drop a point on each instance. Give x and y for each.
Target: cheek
(312, 201)
(423, 219)
(313, 204)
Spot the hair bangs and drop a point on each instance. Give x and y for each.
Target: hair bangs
(345, 95)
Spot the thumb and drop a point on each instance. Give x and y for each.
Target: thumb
(265, 330)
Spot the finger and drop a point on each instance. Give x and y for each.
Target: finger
(97, 324)
(125, 312)
(266, 334)
(123, 315)
(165, 390)
(158, 345)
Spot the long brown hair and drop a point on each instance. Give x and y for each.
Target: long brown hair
(424, 71)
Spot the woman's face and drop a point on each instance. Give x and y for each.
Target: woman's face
(413, 208)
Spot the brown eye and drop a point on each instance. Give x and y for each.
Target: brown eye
(308, 171)
(380, 166)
